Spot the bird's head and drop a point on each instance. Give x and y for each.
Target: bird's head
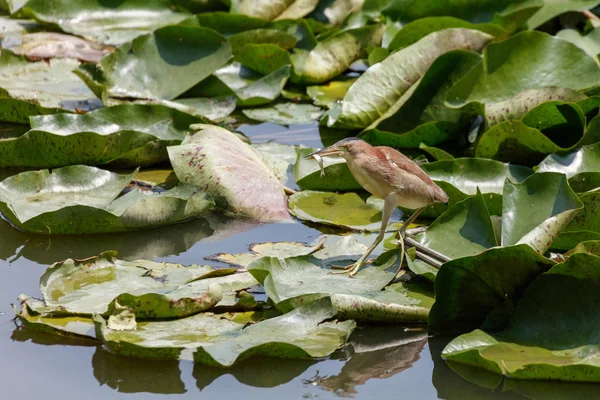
(345, 147)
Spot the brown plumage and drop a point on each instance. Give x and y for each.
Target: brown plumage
(390, 175)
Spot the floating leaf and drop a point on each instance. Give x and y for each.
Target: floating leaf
(549, 337)
(307, 173)
(581, 167)
(346, 210)
(263, 58)
(464, 230)
(369, 97)
(46, 45)
(87, 287)
(266, 9)
(536, 210)
(229, 24)
(104, 22)
(553, 8)
(278, 157)
(183, 54)
(285, 113)
(465, 9)
(590, 42)
(294, 281)
(302, 333)
(514, 65)
(127, 135)
(334, 55)
(233, 172)
(80, 199)
(260, 36)
(28, 88)
(416, 30)
(329, 94)
(469, 289)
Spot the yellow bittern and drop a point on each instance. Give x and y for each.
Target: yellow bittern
(386, 173)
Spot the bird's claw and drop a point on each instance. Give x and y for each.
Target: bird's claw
(351, 269)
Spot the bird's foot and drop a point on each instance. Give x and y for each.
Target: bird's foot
(351, 269)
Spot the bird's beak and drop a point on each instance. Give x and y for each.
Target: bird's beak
(332, 151)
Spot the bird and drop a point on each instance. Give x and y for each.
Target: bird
(388, 174)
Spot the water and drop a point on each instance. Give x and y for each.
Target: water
(384, 361)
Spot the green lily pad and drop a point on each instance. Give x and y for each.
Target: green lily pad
(278, 156)
(549, 337)
(369, 97)
(590, 42)
(426, 104)
(127, 135)
(263, 58)
(432, 133)
(108, 23)
(232, 172)
(416, 30)
(138, 69)
(80, 199)
(265, 9)
(229, 24)
(334, 55)
(250, 88)
(469, 289)
(514, 65)
(464, 230)
(285, 113)
(329, 94)
(345, 210)
(553, 8)
(86, 287)
(465, 9)
(294, 281)
(307, 173)
(536, 210)
(261, 36)
(516, 107)
(39, 88)
(470, 174)
(580, 166)
(207, 339)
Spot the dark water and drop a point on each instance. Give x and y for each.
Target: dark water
(382, 362)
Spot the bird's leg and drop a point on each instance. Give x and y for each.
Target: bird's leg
(388, 208)
(401, 232)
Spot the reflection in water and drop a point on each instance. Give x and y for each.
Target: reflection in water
(380, 351)
(46, 339)
(154, 243)
(148, 244)
(134, 375)
(257, 372)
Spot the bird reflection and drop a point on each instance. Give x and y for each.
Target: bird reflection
(380, 351)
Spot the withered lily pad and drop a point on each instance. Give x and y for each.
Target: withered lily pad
(209, 339)
(232, 172)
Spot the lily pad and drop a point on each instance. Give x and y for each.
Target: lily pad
(590, 42)
(302, 333)
(553, 8)
(263, 58)
(465, 9)
(329, 94)
(106, 22)
(549, 337)
(265, 9)
(285, 113)
(86, 287)
(536, 210)
(47, 45)
(469, 289)
(369, 97)
(581, 167)
(232, 171)
(127, 135)
(464, 230)
(259, 36)
(334, 55)
(80, 199)
(160, 65)
(346, 210)
(514, 65)
(36, 88)
(307, 173)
